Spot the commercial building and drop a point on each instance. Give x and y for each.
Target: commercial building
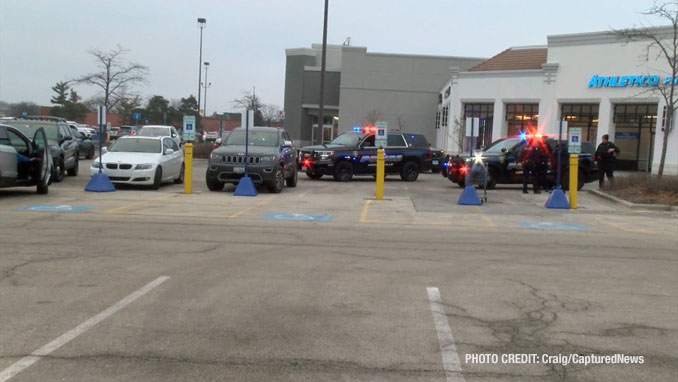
(361, 88)
(593, 81)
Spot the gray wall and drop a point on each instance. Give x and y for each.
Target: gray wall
(296, 60)
(403, 89)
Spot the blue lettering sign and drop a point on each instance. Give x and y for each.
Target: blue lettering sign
(644, 80)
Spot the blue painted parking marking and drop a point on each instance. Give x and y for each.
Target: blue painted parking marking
(54, 208)
(299, 217)
(551, 225)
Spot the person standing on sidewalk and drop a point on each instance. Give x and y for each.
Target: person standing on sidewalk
(605, 156)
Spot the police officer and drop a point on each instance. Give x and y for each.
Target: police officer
(605, 156)
(540, 159)
(526, 160)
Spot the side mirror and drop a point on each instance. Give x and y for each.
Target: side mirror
(287, 144)
(503, 149)
(218, 141)
(169, 152)
(104, 150)
(174, 135)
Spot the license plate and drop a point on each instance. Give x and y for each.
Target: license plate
(239, 170)
(304, 168)
(435, 162)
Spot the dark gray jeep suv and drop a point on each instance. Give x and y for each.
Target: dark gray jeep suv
(272, 159)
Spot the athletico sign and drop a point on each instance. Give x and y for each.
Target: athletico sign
(644, 80)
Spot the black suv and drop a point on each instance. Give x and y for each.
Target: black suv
(354, 153)
(64, 147)
(502, 159)
(272, 159)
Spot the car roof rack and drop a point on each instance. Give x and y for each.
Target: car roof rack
(43, 118)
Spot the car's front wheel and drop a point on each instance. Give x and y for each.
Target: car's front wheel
(278, 182)
(74, 171)
(59, 172)
(409, 172)
(180, 178)
(214, 185)
(90, 153)
(343, 172)
(157, 179)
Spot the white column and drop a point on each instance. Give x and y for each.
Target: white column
(499, 128)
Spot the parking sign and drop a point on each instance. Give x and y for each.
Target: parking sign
(574, 140)
(189, 128)
(381, 136)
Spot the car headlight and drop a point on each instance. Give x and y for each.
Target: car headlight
(267, 158)
(95, 163)
(325, 154)
(144, 166)
(214, 156)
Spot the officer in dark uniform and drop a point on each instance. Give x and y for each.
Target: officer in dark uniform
(540, 159)
(605, 156)
(527, 163)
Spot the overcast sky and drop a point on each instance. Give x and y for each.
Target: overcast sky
(46, 41)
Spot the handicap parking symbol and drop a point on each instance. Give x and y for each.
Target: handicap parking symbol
(557, 226)
(299, 217)
(54, 208)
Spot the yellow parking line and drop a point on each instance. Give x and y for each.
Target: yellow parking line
(485, 217)
(235, 215)
(363, 215)
(132, 206)
(621, 227)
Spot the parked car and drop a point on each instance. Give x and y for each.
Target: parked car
(142, 161)
(354, 153)
(212, 136)
(126, 130)
(502, 159)
(63, 146)
(437, 160)
(25, 161)
(85, 144)
(160, 131)
(113, 132)
(272, 159)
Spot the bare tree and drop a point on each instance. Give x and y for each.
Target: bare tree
(270, 113)
(250, 101)
(400, 121)
(459, 133)
(662, 45)
(372, 117)
(115, 75)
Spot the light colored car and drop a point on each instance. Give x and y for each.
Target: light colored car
(160, 131)
(143, 161)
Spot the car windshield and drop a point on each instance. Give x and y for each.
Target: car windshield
(347, 140)
(29, 130)
(136, 145)
(256, 138)
(154, 132)
(506, 143)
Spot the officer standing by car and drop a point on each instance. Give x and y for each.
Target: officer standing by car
(527, 163)
(605, 156)
(540, 159)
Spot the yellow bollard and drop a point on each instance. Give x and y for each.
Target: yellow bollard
(574, 175)
(380, 174)
(188, 167)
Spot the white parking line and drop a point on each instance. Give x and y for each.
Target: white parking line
(37, 355)
(447, 347)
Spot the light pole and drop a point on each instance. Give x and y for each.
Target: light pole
(206, 85)
(321, 103)
(201, 24)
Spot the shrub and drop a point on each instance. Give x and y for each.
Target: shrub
(645, 188)
(202, 150)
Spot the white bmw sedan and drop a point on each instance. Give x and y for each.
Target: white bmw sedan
(143, 161)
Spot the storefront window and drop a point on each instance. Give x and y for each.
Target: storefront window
(584, 116)
(634, 135)
(522, 117)
(485, 112)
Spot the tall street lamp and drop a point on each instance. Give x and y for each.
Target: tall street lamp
(206, 85)
(321, 103)
(201, 24)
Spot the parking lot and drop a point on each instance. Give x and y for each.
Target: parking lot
(323, 283)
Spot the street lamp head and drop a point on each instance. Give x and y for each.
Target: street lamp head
(202, 22)
(207, 63)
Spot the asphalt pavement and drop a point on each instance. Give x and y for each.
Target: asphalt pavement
(324, 283)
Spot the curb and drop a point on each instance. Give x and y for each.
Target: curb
(652, 207)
